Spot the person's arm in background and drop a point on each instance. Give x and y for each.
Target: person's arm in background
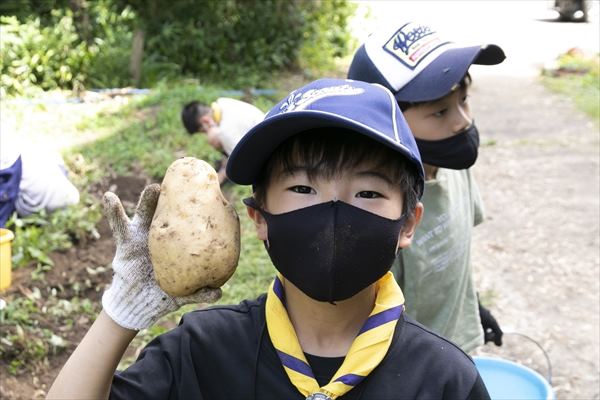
(132, 302)
(222, 170)
(213, 133)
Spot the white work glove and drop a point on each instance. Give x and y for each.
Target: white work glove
(134, 300)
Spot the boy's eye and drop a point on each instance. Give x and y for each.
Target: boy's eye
(301, 189)
(368, 194)
(440, 113)
(465, 99)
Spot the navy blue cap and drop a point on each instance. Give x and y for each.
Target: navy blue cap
(369, 109)
(415, 63)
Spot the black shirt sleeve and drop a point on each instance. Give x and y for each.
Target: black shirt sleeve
(210, 355)
(151, 376)
(479, 391)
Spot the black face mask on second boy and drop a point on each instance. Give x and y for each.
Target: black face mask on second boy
(333, 250)
(456, 152)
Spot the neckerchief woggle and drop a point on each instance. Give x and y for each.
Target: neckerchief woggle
(366, 352)
(216, 109)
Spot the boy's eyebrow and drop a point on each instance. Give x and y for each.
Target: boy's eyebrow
(292, 169)
(376, 174)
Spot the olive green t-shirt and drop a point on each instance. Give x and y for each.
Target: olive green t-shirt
(435, 271)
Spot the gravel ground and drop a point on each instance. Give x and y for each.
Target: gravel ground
(537, 254)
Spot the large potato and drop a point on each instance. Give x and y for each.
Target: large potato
(195, 233)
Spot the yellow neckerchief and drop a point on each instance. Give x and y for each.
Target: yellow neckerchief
(216, 109)
(366, 352)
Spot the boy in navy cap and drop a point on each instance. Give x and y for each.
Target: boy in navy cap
(337, 179)
(429, 78)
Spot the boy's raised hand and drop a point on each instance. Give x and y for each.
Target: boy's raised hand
(134, 300)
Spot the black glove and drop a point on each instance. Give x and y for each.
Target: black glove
(491, 329)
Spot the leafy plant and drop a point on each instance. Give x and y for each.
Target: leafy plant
(111, 46)
(237, 43)
(578, 76)
(41, 233)
(44, 57)
(326, 37)
(53, 55)
(25, 326)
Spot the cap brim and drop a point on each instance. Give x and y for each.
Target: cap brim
(252, 152)
(440, 76)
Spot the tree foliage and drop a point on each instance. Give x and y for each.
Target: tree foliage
(78, 43)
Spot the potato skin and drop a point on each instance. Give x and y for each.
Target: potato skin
(194, 237)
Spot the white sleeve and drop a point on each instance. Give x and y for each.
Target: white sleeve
(44, 184)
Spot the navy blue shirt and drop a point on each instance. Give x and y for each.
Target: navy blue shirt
(10, 178)
(225, 352)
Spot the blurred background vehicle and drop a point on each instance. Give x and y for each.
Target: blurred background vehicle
(572, 10)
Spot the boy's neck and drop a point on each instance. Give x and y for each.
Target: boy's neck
(325, 329)
(430, 171)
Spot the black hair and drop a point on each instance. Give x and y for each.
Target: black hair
(190, 115)
(405, 105)
(328, 151)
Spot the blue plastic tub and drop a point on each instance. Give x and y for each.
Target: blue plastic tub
(507, 380)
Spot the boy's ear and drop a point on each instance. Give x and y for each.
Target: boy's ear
(259, 223)
(408, 230)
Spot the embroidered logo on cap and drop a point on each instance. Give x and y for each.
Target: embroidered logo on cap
(412, 43)
(299, 101)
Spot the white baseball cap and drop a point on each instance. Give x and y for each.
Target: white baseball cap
(416, 63)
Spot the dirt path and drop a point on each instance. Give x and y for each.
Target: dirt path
(537, 254)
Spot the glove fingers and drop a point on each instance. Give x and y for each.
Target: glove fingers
(147, 205)
(204, 295)
(117, 218)
(497, 334)
(493, 324)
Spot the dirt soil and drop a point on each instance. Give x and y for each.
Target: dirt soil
(70, 266)
(537, 254)
(538, 250)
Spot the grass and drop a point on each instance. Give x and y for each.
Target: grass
(26, 340)
(578, 77)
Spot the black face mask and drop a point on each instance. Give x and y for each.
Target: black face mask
(456, 152)
(331, 251)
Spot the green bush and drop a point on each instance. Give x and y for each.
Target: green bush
(44, 57)
(577, 75)
(40, 233)
(34, 55)
(111, 47)
(326, 36)
(235, 43)
(243, 43)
